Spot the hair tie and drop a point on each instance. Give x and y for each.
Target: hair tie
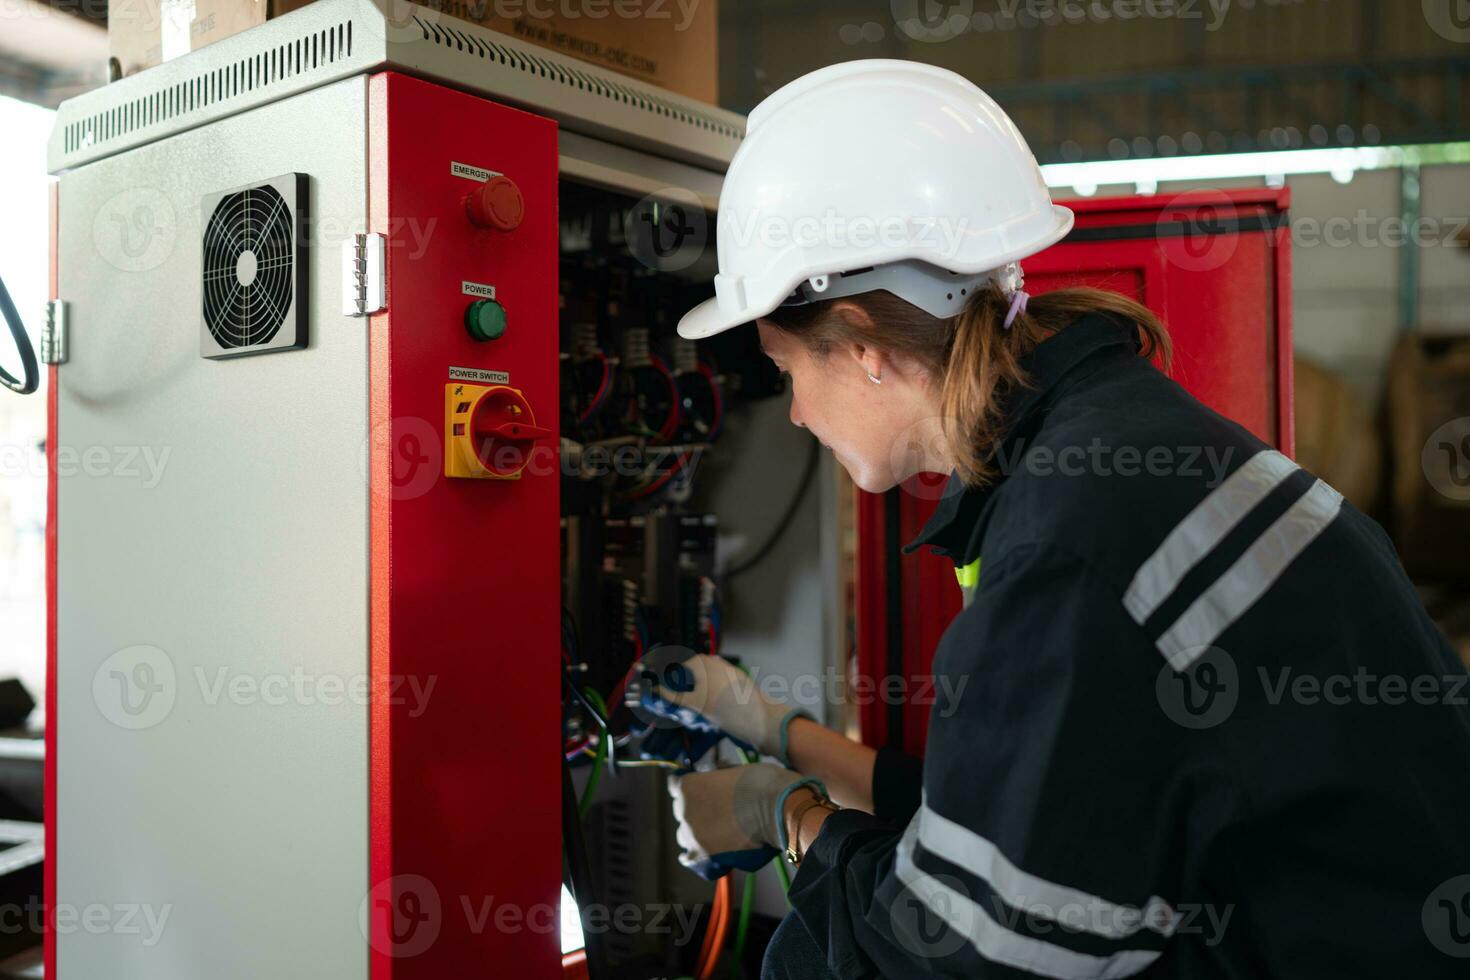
(1018, 306)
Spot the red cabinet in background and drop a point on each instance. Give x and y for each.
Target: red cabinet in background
(1216, 268)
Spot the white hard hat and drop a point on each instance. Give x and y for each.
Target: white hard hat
(875, 174)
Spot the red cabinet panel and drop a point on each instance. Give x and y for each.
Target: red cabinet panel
(465, 572)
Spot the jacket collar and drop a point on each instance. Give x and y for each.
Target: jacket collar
(954, 528)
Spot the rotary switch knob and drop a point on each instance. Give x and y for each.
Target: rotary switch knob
(490, 432)
(496, 204)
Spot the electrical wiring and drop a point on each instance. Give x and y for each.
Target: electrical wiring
(577, 693)
(670, 428)
(668, 475)
(651, 764)
(742, 926)
(792, 507)
(598, 758)
(615, 700)
(571, 636)
(604, 387)
(599, 714)
(714, 937)
(709, 936)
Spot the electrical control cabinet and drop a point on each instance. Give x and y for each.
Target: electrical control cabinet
(377, 286)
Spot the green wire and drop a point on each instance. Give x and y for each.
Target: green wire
(585, 803)
(747, 902)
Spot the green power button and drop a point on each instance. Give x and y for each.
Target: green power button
(485, 319)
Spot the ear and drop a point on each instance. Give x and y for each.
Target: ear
(869, 358)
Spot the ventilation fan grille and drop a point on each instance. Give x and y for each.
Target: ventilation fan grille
(252, 259)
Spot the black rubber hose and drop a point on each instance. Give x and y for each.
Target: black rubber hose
(812, 457)
(22, 344)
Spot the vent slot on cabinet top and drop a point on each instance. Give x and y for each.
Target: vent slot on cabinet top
(457, 40)
(305, 54)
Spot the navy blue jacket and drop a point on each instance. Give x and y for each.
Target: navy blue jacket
(1205, 727)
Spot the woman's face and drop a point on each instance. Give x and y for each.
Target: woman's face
(880, 433)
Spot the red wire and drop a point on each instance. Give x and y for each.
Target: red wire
(714, 645)
(684, 458)
(616, 697)
(602, 387)
(671, 424)
(714, 936)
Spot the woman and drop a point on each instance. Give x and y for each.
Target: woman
(1163, 758)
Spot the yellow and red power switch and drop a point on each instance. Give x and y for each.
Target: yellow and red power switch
(490, 431)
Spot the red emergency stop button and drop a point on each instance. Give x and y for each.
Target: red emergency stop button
(496, 204)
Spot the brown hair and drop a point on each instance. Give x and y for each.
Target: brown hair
(977, 359)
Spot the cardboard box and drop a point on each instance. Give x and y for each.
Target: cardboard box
(670, 43)
(144, 33)
(134, 34)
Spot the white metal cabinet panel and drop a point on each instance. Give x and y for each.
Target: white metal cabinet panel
(214, 513)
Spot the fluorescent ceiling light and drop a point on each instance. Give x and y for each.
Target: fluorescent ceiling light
(1341, 163)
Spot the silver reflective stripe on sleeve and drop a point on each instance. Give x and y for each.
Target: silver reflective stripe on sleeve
(969, 918)
(959, 845)
(1205, 527)
(1251, 575)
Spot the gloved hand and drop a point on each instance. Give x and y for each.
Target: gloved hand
(710, 694)
(732, 818)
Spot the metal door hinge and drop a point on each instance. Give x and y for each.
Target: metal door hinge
(363, 274)
(53, 333)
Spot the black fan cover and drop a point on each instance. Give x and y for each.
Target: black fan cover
(254, 270)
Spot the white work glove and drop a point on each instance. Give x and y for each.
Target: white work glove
(732, 818)
(709, 694)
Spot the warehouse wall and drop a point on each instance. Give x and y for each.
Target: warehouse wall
(1346, 263)
(1346, 297)
(1445, 279)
